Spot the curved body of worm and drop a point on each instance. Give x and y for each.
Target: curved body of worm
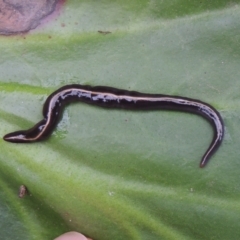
(108, 97)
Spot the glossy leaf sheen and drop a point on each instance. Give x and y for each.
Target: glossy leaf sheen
(114, 174)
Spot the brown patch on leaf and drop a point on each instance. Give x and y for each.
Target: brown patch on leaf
(19, 16)
(22, 191)
(104, 32)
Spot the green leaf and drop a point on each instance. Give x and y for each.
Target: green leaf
(114, 174)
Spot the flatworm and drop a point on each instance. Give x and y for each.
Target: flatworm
(108, 97)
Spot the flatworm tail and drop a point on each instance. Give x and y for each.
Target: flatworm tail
(108, 97)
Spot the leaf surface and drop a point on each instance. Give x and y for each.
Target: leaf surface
(114, 174)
